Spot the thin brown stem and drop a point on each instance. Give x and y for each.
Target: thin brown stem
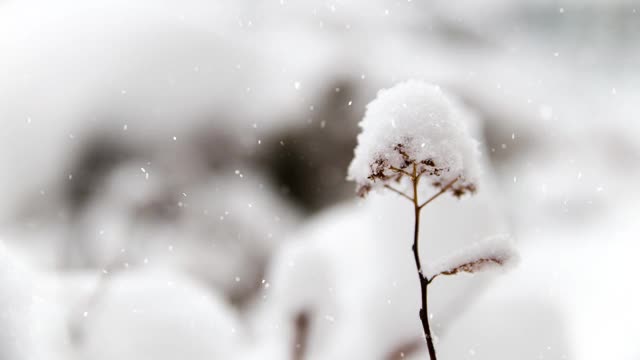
(430, 280)
(423, 313)
(398, 192)
(395, 169)
(444, 189)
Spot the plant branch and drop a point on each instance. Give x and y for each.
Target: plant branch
(444, 189)
(398, 192)
(395, 169)
(471, 266)
(423, 313)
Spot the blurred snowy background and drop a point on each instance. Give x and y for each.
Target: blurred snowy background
(173, 179)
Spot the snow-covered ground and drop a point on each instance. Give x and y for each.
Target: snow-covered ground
(173, 180)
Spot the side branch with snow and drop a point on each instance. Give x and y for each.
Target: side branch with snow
(489, 253)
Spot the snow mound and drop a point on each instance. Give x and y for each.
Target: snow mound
(158, 314)
(31, 325)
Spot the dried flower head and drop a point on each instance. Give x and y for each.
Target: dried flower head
(415, 124)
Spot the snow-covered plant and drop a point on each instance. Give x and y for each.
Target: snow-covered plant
(414, 133)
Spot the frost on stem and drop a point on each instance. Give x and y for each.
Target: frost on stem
(492, 252)
(415, 123)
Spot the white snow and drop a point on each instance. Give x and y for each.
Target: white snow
(227, 226)
(159, 314)
(31, 324)
(146, 73)
(415, 122)
(14, 310)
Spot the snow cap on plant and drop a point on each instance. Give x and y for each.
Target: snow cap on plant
(415, 124)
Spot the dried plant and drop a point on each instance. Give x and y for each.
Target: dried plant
(415, 132)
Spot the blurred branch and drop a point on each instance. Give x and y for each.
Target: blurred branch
(404, 350)
(398, 192)
(301, 336)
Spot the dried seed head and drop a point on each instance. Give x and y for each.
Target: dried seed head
(415, 124)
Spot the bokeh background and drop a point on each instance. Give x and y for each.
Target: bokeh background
(172, 179)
